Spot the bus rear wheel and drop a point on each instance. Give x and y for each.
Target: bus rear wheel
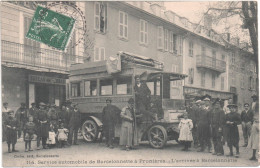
(157, 136)
(89, 131)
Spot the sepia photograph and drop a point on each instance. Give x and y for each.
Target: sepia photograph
(129, 83)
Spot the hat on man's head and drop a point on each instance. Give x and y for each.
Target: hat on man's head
(33, 103)
(246, 104)
(68, 102)
(131, 101)
(75, 105)
(42, 104)
(254, 96)
(5, 103)
(218, 100)
(22, 104)
(10, 111)
(232, 105)
(198, 101)
(52, 105)
(206, 99)
(137, 76)
(109, 100)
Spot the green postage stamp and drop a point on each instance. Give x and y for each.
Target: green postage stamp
(51, 28)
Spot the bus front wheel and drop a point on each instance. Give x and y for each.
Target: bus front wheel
(89, 131)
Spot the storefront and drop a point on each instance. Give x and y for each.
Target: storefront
(28, 86)
(192, 92)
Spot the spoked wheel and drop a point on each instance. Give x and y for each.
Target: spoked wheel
(89, 131)
(157, 136)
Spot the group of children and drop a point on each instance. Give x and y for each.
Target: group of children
(31, 129)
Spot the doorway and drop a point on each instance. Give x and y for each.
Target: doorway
(41, 93)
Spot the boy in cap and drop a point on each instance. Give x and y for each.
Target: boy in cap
(12, 126)
(247, 117)
(21, 115)
(232, 119)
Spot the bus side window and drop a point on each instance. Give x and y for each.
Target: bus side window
(106, 87)
(124, 86)
(90, 88)
(75, 89)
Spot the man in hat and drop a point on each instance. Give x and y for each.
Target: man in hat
(21, 115)
(5, 111)
(194, 110)
(204, 126)
(64, 116)
(74, 124)
(217, 121)
(142, 95)
(53, 117)
(247, 117)
(43, 127)
(255, 104)
(233, 119)
(33, 111)
(110, 116)
(12, 126)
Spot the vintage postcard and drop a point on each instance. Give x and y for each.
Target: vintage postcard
(129, 83)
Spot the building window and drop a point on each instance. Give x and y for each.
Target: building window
(174, 69)
(191, 49)
(170, 41)
(143, 32)
(191, 76)
(75, 89)
(233, 79)
(100, 17)
(124, 86)
(106, 87)
(180, 48)
(123, 25)
(160, 37)
(222, 83)
(90, 88)
(99, 54)
(213, 80)
(251, 83)
(223, 57)
(203, 74)
(203, 51)
(166, 40)
(233, 58)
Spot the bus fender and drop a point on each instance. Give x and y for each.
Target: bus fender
(98, 122)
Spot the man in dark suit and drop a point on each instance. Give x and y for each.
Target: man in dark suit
(21, 116)
(74, 125)
(247, 117)
(110, 116)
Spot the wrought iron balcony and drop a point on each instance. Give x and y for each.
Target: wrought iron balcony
(29, 56)
(211, 63)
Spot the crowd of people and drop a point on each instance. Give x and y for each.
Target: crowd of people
(47, 124)
(207, 124)
(210, 126)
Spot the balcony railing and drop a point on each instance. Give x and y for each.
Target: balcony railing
(211, 63)
(37, 57)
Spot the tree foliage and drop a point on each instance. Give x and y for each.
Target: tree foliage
(246, 10)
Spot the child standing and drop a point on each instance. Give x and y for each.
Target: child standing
(185, 127)
(62, 135)
(51, 141)
(30, 128)
(11, 125)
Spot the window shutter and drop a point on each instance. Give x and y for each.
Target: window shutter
(96, 54)
(102, 54)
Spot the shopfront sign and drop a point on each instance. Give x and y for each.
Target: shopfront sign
(201, 92)
(46, 79)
